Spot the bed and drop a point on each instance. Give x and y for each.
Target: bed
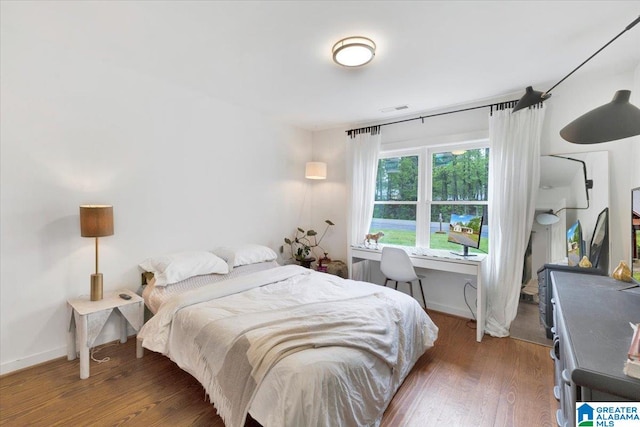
(288, 345)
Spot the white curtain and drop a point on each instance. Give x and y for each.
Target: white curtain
(363, 147)
(514, 177)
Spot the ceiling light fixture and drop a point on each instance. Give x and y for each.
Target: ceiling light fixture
(354, 51)
(533, 97)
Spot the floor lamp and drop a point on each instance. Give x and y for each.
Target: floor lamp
(616, 120)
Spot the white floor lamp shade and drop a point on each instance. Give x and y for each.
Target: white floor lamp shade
(315, 170)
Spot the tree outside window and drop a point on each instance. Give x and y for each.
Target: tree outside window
(410, 216)
(459, 186)
(396, 199)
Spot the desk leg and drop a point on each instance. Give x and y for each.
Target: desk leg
(481, 307)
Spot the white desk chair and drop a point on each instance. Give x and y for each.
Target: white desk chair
(396, 266)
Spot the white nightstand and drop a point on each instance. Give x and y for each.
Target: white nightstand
(87, 318)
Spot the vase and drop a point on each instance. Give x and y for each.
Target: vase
(622, 272)
(306, 262)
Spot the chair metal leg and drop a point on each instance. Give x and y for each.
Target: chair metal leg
(411, 289)
(423, 298)
(396, 285)
(385, 281)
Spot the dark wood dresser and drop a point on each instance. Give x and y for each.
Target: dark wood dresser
(545, 293)
(591, 339)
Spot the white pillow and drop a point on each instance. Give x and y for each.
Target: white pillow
(173, 268)
(245, 254)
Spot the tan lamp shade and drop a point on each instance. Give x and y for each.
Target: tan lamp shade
(96, 220)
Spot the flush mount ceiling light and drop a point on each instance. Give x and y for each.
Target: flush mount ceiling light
(354, 51)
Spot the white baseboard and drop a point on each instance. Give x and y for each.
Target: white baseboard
(32, 360)
(455, 311)
(47, 356)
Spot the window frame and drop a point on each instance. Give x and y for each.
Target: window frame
(418, 203)
(424, 197)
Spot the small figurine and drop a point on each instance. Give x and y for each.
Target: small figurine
(375, 237)
(622, 272)
(585, 263)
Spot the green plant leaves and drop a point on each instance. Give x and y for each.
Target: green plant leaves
(303, 242)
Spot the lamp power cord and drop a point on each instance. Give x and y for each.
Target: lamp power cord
(471, 322)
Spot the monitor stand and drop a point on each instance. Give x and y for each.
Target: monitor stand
(465, 253)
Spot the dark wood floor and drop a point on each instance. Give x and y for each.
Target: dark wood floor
(499, 382)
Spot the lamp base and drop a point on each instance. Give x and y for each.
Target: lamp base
(96, 287)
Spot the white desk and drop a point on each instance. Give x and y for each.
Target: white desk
(437, 260)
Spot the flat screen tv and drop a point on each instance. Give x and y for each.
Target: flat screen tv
(465, 230)
(575, 248)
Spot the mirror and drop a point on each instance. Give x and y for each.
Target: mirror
(635, 233)
(562, 184)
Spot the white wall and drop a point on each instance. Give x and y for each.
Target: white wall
(577, 95)
(182, 170)
(330, 196)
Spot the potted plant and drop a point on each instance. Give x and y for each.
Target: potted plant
(303, 243)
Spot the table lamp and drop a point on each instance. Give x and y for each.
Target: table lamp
(96, 221)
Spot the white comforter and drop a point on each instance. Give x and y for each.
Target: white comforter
(294, 347)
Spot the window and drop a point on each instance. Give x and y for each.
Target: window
(396, 199)
(417, 192)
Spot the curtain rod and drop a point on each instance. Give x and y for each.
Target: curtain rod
(498, 105)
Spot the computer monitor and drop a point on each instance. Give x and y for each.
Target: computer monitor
(575, 246)
(465, 230)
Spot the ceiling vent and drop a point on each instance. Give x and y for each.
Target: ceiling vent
(398, 108)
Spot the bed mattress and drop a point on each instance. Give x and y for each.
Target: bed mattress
(347, 376)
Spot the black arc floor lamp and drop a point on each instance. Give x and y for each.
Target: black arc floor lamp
(615, 120)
